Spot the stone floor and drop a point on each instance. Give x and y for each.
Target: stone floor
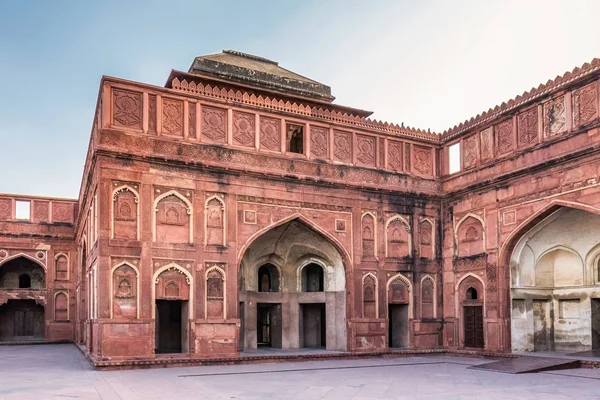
(61, 372)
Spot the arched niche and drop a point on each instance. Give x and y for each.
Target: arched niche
(61, 306)
(124, 291)
(268, 278)
(370, 296)
(215, 293)
(469, 236)
(398, 237)
(61, 267)
(125, 213)
(22, 273)
(427, 238)
(428, 298)
(215, 222)
(368, 235)
(173, 222)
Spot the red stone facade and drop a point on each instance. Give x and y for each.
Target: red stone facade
(183, 185)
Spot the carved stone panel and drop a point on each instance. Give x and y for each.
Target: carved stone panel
(172, 117)
(342, 146)
(192, 120)
(215, 294)
(5, 208)
(41, 211)
(270, 134)
(172, 284)
(527, 127)
(215, 224)
(365, 150)
(555, 116)
(398, 292)
(487, 143)
(397, 235)
(244, 130)
(368, 236)
(504, 137)
(62, 212)
(172, 220)
(214, 125)
(369, 297)
(127, 108)
(427, 295)
(471, 151)
(124, 292)
(125, 217)
(423, 160)
(152, 113)
(470, 237)
(319, 142)
(585, 104)
(395, 155)
(426, 239)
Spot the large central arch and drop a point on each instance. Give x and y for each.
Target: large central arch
(554, 267)
(292, 288)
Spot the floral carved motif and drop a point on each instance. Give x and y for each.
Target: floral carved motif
(192, 120)
(342, 146)
(5, 209)
(381, 152)
(555, 119)
(395, 155)
(470, 151)
(127, 110)
(407, 156)
(422, 160)
(214, 124)
(172, 116)
(365, 146)
(243, 129)
(61, 212)
(270, 134)
(487, 138)
(319, 141)
(504, 137)
(585, 104)
(40, 211)
(528, 126)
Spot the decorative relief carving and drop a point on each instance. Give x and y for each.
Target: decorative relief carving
(192, 120)
(127, 108)
(395, 155)
(527, 126)
(250, 217)
(152, 113)
(422, 160)
(342, 146)
(172, 121)
(426, 238)
(398, 291)
(214, 124)
(470, 151)
(244, 130)
(215, 224)
(487, 140)
(407, 156)
(61, 212)
(124, 292)
(381, 152)
(270, 134)
(173, 217)
(125, 204)
(368, 236)
(319, 142)
(40, 210)
(365, 146)
(398, 238)
(369, 297)
(340, 225)
(555, 119)
(291, 203)
(215, 297)
(504, 137)
(509, 217)
(427, 298)
(585, 104)
(5, 209)
(470, 236)
(172, 284)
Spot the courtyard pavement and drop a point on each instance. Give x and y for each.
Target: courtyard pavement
(61, 372)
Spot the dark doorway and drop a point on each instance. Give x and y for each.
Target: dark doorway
(398, 325)
(313, 325)
(21, 319)
(268, 325)
(312, 278)
(542, 326)
(168, 326)
(473, 326)
(24, 281)
(595, 324)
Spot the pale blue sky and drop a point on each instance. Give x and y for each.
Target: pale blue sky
(429, 64)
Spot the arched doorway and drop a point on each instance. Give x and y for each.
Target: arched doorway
(554, 284)
(22, 282)
(292, 290)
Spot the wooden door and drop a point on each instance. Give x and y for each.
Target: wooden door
(473, 326)
(23, 323)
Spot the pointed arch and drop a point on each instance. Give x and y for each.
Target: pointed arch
(400, 277)
(56, 266)
(368, 234)
(457, 240)
(303, 264)
(189, 210)
(23, 255)
(115, 195)
(432, 252)
(111, 286)
(365, 299)
(457, 300)
(64, 293)
(223, 227)
(221, 272)
(190, 280)
(404, 222)
(434, 294)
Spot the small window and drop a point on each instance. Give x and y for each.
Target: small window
(268, 278)
(295, 139)
(454, 158)
(23, 209)
(312, 278)
(24, 281)
(471, 294)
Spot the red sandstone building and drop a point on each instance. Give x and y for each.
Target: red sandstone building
(238, 206)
